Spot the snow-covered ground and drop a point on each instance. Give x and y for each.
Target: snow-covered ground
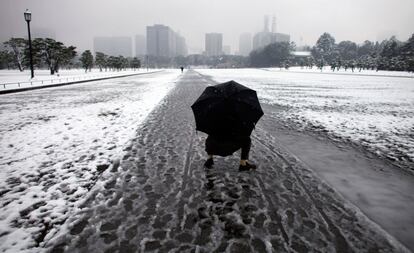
(342, 71)
(54, 144)
(14, 79)
(374, 111)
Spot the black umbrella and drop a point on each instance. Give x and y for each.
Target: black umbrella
(227, 109)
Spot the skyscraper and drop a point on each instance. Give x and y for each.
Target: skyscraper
(226, 50)
(181, 46)
(266, 23)
(214, 44)
(274, 24)
(159, 40)
(262, 39)
(245, 44)
(163, 41)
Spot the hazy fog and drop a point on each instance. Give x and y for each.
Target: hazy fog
(76, 22)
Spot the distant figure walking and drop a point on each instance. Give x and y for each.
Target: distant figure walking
(182, 69)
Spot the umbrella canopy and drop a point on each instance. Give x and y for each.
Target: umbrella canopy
(227, 109)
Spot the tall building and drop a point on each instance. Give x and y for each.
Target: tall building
(262, 39)
(140, 45)
(163, 41)
(281, 37)
(113, 46)
(214, 44)
(226, 50)
(181, 45)
(274, 24)
(266, 23)
(159, 40)
(245, 44)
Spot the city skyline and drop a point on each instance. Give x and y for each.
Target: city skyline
(81, 21)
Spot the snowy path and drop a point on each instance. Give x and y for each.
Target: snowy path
(161, 198)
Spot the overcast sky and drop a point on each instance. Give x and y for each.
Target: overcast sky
(76, 22)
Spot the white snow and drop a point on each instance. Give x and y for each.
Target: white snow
(374, 109)
(342, 71)
(14, 79)
(51, 141)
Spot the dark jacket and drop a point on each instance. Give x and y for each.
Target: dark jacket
(224, 146)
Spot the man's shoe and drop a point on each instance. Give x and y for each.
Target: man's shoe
(209, 163)
(248, 166)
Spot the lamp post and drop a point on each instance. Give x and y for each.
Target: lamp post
(28, 18)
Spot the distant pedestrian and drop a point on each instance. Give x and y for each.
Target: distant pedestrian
(182, 69)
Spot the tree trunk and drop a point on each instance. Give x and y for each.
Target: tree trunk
(56, 67)
(19, 65)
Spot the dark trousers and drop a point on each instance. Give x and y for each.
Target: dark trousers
(225, 147)
(245, 149)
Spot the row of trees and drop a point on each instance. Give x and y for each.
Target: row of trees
(46, 53)
(53, 55)
(103, 61)
(390, 54)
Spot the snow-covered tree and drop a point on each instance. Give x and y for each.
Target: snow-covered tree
(54, 53)
(135, 63)
(407, 52)
(6, 60)
(367, 48)
(347, 50)
(87, 60)
(275, 54)
(101, 60)
(391, 47)
(16, 47)
(324, 50)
